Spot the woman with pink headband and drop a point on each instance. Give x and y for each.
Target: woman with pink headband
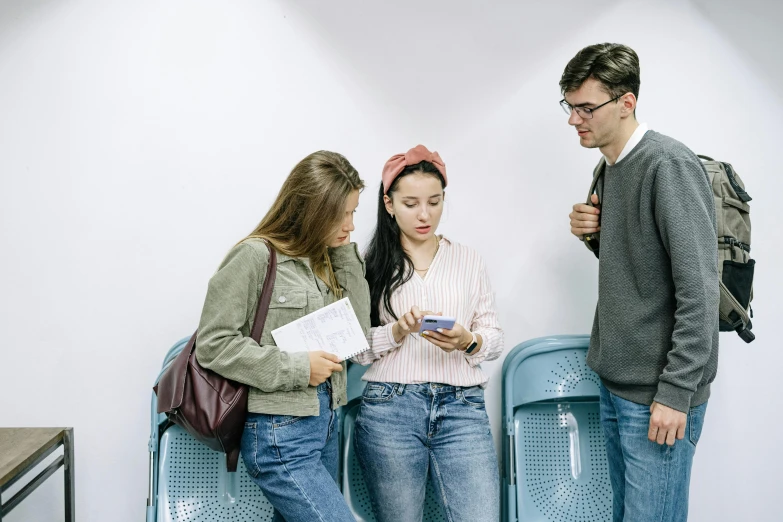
(422, 414)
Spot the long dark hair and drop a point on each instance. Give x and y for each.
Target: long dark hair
(388, 265)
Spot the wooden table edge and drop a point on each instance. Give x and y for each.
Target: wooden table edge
(57, 436)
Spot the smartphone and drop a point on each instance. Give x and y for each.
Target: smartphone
(433, 322)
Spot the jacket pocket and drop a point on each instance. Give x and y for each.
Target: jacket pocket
(288, 303)
(288, 297)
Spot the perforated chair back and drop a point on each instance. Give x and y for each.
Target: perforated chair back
(189, 482)
(194, 485)
(554, 456)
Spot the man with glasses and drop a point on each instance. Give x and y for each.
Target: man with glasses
(655, 334)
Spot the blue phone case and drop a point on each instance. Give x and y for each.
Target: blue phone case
(433, 322)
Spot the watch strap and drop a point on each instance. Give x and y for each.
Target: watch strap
(472, 345)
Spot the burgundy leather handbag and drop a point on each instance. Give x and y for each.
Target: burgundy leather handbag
(208, 406)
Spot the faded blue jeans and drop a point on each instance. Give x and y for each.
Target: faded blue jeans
(294, 460)
(406, 432)
(649, 481)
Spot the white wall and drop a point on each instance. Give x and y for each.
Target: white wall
(140, 140)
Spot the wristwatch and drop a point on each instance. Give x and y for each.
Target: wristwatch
(472, 345)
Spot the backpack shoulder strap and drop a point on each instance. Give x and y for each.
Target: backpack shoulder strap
(597, 184)
(592, 241)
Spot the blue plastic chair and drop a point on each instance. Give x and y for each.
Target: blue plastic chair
(353, 485)
(189, 482)
(554, 456)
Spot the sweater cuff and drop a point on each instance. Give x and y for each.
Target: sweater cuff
(673, 397)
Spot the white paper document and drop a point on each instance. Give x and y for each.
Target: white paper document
(333, 328)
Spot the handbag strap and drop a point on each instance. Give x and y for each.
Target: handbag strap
(266, 295)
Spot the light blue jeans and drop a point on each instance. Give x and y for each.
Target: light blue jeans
(406, 432)
(294, 460)
(649, 481)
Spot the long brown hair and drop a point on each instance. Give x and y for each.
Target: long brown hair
(309, 209)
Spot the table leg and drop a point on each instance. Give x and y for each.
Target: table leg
(70, 511)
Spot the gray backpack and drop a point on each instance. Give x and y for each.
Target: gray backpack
(735, 267)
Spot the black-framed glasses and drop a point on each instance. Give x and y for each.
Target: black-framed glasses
(586, 113)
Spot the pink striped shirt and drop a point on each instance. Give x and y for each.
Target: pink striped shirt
(456, 284)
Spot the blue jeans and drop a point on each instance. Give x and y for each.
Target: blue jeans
(294, 460)
(405, 432)
(649, 481)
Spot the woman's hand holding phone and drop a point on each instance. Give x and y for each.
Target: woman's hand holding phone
(408, 323)
(448, 340)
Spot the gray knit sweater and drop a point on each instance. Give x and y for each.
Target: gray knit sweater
(655, 333)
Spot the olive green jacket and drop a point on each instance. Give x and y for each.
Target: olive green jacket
(278, 381)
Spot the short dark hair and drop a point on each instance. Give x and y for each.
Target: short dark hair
(616, 66)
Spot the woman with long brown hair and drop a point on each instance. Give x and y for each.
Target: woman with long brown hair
(290, 445)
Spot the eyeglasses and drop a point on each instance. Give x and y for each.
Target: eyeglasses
(586, 113)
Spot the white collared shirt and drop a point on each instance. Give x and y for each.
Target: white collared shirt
(633, 141)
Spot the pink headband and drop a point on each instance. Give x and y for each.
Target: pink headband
(417, 154)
